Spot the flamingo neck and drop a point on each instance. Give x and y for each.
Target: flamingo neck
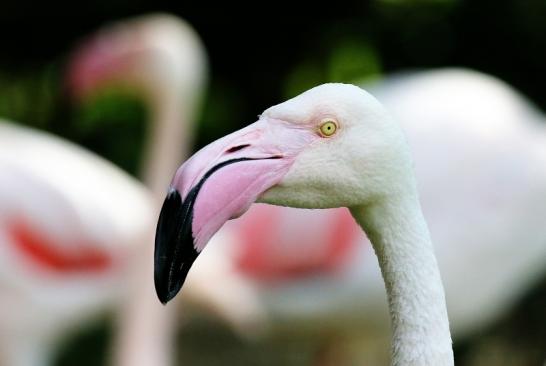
(400, 237)
(169, 140)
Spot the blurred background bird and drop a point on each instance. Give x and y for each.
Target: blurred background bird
(66, 243)
(70, 219)
(160, 58)
(283, 58)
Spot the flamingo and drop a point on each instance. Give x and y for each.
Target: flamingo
(313, 281)
(162, 58)
(331, 146)
(74, 228)
(70, 225)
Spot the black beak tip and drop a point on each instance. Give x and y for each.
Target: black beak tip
(166, 293)
(174, 246)
(174, 242)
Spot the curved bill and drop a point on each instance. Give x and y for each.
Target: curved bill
(219, 183)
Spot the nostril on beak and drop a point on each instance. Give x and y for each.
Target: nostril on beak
(236, 148)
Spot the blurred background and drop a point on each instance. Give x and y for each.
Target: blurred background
(260, 54)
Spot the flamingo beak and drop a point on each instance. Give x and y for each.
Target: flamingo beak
(217, 184)
(102, 59)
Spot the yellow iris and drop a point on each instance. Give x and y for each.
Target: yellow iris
(328, 128)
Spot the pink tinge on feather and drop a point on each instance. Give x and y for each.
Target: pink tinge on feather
(42, 252)
(322, 242)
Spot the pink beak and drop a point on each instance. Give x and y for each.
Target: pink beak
(217, 184)
(100, 60)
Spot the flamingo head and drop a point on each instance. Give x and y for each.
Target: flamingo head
(157, 55)
(332, 146)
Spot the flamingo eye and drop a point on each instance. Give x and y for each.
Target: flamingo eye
(327, 127)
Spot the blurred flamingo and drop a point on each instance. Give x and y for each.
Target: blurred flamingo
(161, 58)
(73, 228)
(480, 151)
(70, 224)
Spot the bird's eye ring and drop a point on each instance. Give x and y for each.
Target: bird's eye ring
(327, 127)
